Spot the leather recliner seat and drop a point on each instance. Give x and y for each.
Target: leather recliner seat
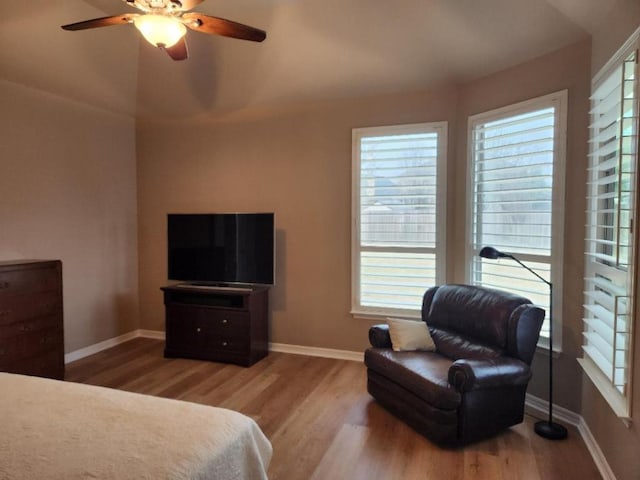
(473, 385)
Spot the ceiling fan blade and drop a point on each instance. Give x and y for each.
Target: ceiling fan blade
(179, 51)
(101, 22)
(220, 26)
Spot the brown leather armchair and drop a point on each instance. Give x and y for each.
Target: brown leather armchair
(474, 384)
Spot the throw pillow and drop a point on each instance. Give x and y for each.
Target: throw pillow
(409, 335)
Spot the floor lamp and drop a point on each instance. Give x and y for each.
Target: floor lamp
(547, 429)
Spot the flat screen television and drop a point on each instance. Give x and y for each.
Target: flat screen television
(221, 248)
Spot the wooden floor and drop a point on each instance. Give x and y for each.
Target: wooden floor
(323, 424)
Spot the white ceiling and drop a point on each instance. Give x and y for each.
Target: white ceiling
(315, 50)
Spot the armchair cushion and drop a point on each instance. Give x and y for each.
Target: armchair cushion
(409, 335)
(422, 373)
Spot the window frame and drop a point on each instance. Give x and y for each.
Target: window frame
(441, 129)
(559, 100)
(620, 403)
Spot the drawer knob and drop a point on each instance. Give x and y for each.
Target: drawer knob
(198, 330)
(225, 320)
(224, 344)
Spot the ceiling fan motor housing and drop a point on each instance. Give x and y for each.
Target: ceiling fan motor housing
(149, 5)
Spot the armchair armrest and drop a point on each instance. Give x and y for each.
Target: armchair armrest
(379, 336)
(466, 375)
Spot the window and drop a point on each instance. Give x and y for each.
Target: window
(516, 198)
(398, 238)
(609, 265)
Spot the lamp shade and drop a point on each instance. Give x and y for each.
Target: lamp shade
(492, 253)
(160, 30)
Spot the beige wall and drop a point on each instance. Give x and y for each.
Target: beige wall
(67, 191)
(613, 31)
(619, 443)
(297, 163)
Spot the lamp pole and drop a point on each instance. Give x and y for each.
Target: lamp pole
(547, 429)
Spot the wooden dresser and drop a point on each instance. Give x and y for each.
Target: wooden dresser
(31, 321)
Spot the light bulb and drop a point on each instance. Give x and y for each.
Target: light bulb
(160, 30)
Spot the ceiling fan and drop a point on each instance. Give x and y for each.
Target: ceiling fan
(164, 24)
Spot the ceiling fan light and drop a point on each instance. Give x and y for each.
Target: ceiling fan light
(160, 30)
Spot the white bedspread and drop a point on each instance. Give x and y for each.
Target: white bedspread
(59, 430)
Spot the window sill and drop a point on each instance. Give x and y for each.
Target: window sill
(382, 316)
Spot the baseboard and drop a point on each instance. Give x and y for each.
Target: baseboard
(98, 347)
(317, 352)
(596, 453)
(155, 334)
(159, 335)
(539, 408)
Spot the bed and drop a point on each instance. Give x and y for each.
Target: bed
(61, 430)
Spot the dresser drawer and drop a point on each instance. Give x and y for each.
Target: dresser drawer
(231, 345)
(30, 344)
(229, 323)
(29, 280)
(201, 328)
(204, 345)
(16, 329)
(18, 308)
(49, 364)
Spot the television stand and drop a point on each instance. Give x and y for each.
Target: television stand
(221, 324)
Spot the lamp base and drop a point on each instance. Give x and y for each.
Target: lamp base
(550, 430)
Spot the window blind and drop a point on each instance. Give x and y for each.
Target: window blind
(512, 168)
(397, 217)
(611, 204)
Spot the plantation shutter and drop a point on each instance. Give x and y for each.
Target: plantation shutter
(398, 215)
(611, 206)
(513, 182)
(513, 160)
